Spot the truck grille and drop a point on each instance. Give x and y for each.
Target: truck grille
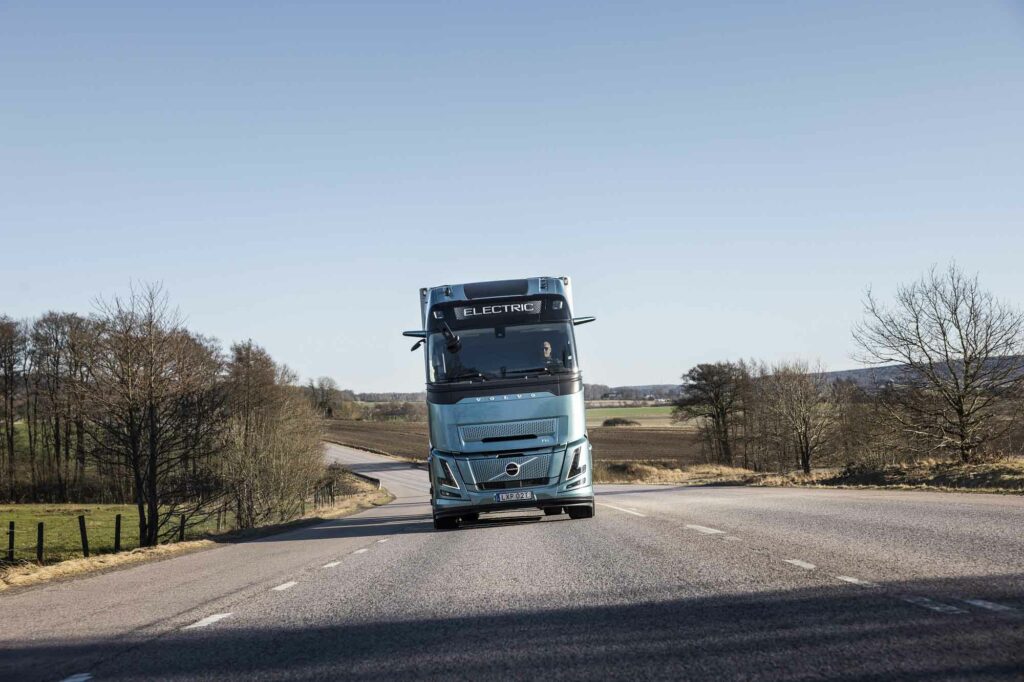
(487, 470)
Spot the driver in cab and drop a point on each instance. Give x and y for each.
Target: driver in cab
(550, 361)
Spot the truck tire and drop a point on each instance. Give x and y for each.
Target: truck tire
(470, 518)
(446, 523)
(552, 511)
(581, 512)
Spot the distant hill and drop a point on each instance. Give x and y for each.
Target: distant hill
(871, 378)
(868, 378)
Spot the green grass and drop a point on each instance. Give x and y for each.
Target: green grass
(659, 412)
(61, 535)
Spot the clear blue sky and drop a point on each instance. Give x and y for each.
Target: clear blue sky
(721, 180)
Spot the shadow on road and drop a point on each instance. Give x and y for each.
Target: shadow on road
(834, 632)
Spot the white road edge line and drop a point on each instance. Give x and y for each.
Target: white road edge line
(331, 564)
(802, 564)
(360, 551)
(628, 511)
(931, 604)
(209, 620)
(854, 581)
(285, 586)
(990, 605)
(705, 529)
(78, 677)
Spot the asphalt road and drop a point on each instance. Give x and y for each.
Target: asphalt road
(665, 582)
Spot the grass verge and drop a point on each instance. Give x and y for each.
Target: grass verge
(1004, 476)
(25, 573)
(1000, 476)
(662, 471)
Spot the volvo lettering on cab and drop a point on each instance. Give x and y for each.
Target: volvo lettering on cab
(505, 400)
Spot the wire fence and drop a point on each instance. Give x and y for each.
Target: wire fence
(48, 533)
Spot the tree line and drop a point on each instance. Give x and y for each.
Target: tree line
(332, 402)
(950, 385)
(129, 406)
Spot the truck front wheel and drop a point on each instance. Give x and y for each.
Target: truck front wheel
(446, 523)
(581, 512)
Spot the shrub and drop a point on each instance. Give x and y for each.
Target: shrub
(619, 421)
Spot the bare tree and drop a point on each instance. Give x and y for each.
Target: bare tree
(273, 457)
(802, 402)
(12, 347)
(962, 357)
(152, 383)
(712, 392)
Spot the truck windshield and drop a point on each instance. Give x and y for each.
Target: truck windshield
(503, 352)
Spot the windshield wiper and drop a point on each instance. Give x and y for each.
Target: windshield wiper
(468, 375)
(531, 370)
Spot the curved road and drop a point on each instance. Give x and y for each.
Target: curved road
(666, 582)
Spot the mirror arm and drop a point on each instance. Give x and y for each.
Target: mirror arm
(577, 321)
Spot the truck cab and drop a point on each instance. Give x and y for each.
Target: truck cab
(504, 400)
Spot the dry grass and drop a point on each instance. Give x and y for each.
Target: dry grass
(26, 574)
(1001, 476)
(998, 476)
(668, 472)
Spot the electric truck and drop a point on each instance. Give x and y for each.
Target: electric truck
(504, 400)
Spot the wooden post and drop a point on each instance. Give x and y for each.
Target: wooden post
(181, 529)
(39, 542)
(117, 533)
(10, 541)
(85, 537)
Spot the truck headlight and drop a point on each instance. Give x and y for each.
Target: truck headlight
(575, 469)
(445, 476)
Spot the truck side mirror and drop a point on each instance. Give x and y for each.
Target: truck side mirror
(418, 344)
(577, 321)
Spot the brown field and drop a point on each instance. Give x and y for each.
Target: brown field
(409, 439)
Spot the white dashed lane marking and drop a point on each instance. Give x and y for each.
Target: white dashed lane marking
(384, 540)
(360, 551)
(989, 605)
(331, 564)
(78, 677)
(854, 581)
(285, 586)
(622, 509)
(209, 620)
(801, 564)
(931, 604)
(705, 530)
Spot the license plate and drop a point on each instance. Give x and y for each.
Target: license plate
(515, 496)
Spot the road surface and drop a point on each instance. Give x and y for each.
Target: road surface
(666, 582)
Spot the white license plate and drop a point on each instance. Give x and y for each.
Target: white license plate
(515, 496)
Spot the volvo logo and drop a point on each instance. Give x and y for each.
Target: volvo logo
(512, 469)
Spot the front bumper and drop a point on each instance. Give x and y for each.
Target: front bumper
(446, 508)
(456, 491)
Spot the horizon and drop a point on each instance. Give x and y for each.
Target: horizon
(720, 182)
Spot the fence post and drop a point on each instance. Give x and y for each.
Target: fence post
(39, 543)
(10, 541)
(85, 538)
(117, 533)
(181, 529)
